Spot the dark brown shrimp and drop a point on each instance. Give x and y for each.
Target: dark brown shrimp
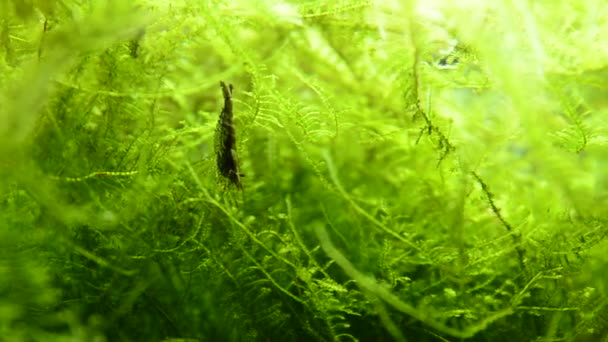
(225, 141)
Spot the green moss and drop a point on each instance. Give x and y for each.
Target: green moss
(411, 171)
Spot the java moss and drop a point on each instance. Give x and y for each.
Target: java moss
(411, 171)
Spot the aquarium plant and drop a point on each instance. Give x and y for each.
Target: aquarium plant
(320, 170)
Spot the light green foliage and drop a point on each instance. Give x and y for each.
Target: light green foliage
(413, 171)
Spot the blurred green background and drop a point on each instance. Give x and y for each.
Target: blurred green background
(413, 171)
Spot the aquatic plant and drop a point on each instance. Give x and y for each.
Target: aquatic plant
(413, 170)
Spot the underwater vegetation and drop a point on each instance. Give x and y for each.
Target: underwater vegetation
(316, 170)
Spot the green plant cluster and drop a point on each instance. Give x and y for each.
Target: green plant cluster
(411, 171)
